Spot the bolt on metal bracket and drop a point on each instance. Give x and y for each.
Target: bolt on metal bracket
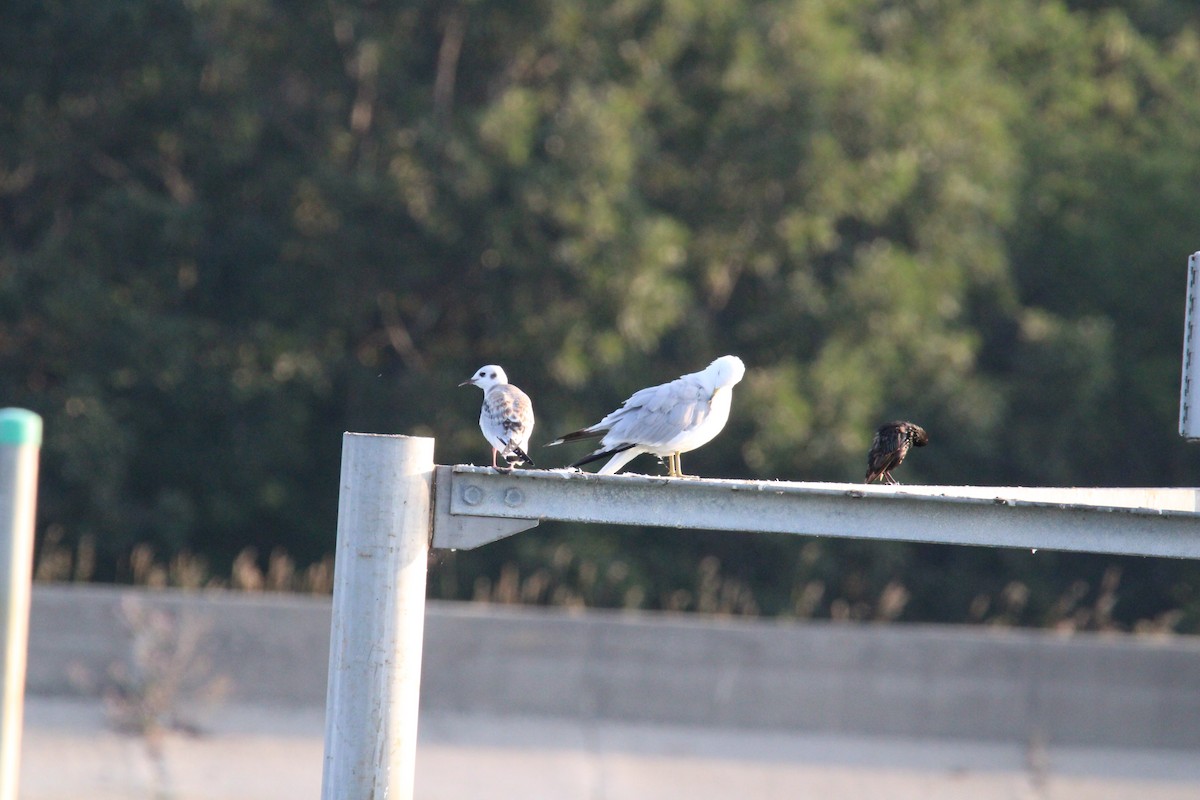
(455, 494)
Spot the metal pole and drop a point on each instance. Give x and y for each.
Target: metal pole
(1189, 382)
(378, 617)
(20, 443)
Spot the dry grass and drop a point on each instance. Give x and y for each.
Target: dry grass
(572, 580)
(58, 562)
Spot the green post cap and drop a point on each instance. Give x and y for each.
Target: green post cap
(18, 426)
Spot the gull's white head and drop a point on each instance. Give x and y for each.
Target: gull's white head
(486, 377)
(725, 371)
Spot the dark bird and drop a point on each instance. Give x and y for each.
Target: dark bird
(890, 446)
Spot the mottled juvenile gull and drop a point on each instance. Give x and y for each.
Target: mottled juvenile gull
(665, 420)
(506, 417)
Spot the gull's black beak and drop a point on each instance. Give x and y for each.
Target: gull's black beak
(470, 382)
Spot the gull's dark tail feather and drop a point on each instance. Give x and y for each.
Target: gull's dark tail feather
(515, 456)
(601, 454)
(576, 436)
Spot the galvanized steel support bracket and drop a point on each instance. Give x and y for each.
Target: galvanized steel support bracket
(462, 529)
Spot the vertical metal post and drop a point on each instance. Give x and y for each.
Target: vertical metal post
(383, 532)
(20, 444)
(1189, 379)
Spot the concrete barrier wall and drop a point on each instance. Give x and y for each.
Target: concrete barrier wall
(896, 680)
(274, 649)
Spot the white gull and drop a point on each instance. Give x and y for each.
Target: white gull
(665, 420)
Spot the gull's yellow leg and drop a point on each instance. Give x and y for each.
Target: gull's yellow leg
(677, 465)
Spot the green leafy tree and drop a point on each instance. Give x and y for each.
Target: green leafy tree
(232, 229)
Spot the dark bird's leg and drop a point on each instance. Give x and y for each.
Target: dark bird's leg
(887, 476)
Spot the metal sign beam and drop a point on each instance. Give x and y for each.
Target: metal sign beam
(1147, 522)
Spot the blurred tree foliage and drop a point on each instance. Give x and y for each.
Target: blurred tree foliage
(232, 229)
